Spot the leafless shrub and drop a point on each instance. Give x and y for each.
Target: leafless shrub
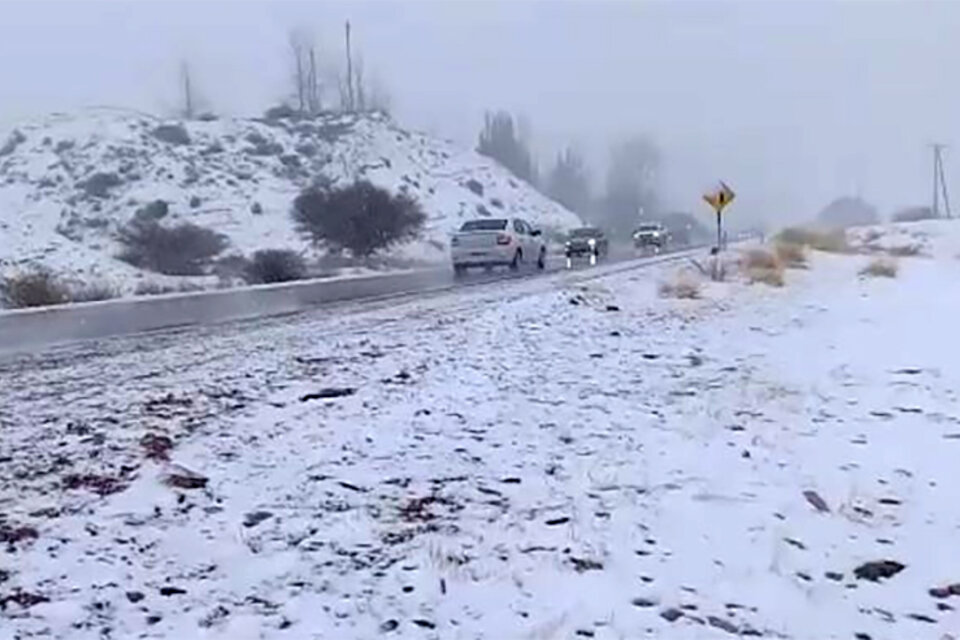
(760, 259)
(682, 287)
(880, 268)
(150, 288)
(275, 265)
(183, 250)
(905, 251)
(833, 241)
(791, 256)
(771, 277)
(93, 292)
(36, 288)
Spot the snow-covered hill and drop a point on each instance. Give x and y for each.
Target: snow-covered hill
(68, 182)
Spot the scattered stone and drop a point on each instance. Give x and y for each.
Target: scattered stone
(195, 202)
(13, 141)
(651, 356)
(557, 521)
(426, 624)
(475, 186)
(154, 619)
(183, 478)
(909, 371)
(671, 615)
(612, 307)
(24, 599)
(889, 501)
(919, 617)
(389, 625)
(99, 184)
(585, 633)
(795, 543)
(254, 518)
(943, 606)
(12, 535)
(878, 569)
(833, 575)
(816, 501)
(171, 591)
(154, 211)
(98, 484)
(156, 447)
(256, 208)
(723, 625)
(643, 603)
(135, 596)
(328, 393)
(581, 565)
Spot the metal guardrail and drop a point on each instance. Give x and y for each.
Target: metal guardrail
(48, 326)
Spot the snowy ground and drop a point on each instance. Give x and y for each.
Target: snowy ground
(557, 458)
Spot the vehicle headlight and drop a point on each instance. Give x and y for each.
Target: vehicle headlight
(655, 234)
(567, 244)
(592, 242)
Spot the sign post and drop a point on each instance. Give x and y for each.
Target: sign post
(719, 199)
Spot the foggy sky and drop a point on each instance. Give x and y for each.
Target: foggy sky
(791, 102)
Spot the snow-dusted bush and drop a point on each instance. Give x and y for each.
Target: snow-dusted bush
(172, 134)
(360, 217)
(880, 268)
(275, 265)
(35, 288)
(183, 250)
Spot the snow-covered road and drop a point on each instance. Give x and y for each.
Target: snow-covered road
(554, 459)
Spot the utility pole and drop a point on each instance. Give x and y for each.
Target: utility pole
(350, 96)
(187, 90)
(939, 182)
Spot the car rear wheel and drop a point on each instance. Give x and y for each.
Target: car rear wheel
(542, 260)
(515, 263)
(459, 270)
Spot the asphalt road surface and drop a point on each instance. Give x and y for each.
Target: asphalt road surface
(33, 329)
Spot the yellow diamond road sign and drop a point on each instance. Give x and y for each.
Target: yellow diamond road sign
(720, 198)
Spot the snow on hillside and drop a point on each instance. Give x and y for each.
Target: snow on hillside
(581, 459)
(67, 182)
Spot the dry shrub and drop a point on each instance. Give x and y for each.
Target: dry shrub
(771, 277)
(905, 251)
(682, 287)
(791, 256)
(760, 259)
(880, 268)
(38, 288)
(94, 292)
(761, 265)
(832, 241)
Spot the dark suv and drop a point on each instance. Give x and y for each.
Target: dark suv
(586, 241)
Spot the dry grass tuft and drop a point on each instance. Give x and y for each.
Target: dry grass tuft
(880, 268)
(682, 287)
(905, 251)
(764, 266)
(759, 259)
(833, 241)
(791, 256)
(771, 277)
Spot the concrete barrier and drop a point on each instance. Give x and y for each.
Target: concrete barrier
(27, 328)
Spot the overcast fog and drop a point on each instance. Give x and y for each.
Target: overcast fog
(793, 103)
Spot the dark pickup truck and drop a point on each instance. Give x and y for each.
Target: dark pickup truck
(586, 241)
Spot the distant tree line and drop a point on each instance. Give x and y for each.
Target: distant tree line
(628, 194)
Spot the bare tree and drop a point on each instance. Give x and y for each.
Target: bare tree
(314, 101)
(351, 99)
(189, 105)
(361, 92)
(298, 48)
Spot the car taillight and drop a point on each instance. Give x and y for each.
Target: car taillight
(503, 238)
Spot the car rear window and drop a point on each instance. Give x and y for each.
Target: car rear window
(650, 227)
(484, 225)
(586, 232)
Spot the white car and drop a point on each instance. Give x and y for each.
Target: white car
(494, 242)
